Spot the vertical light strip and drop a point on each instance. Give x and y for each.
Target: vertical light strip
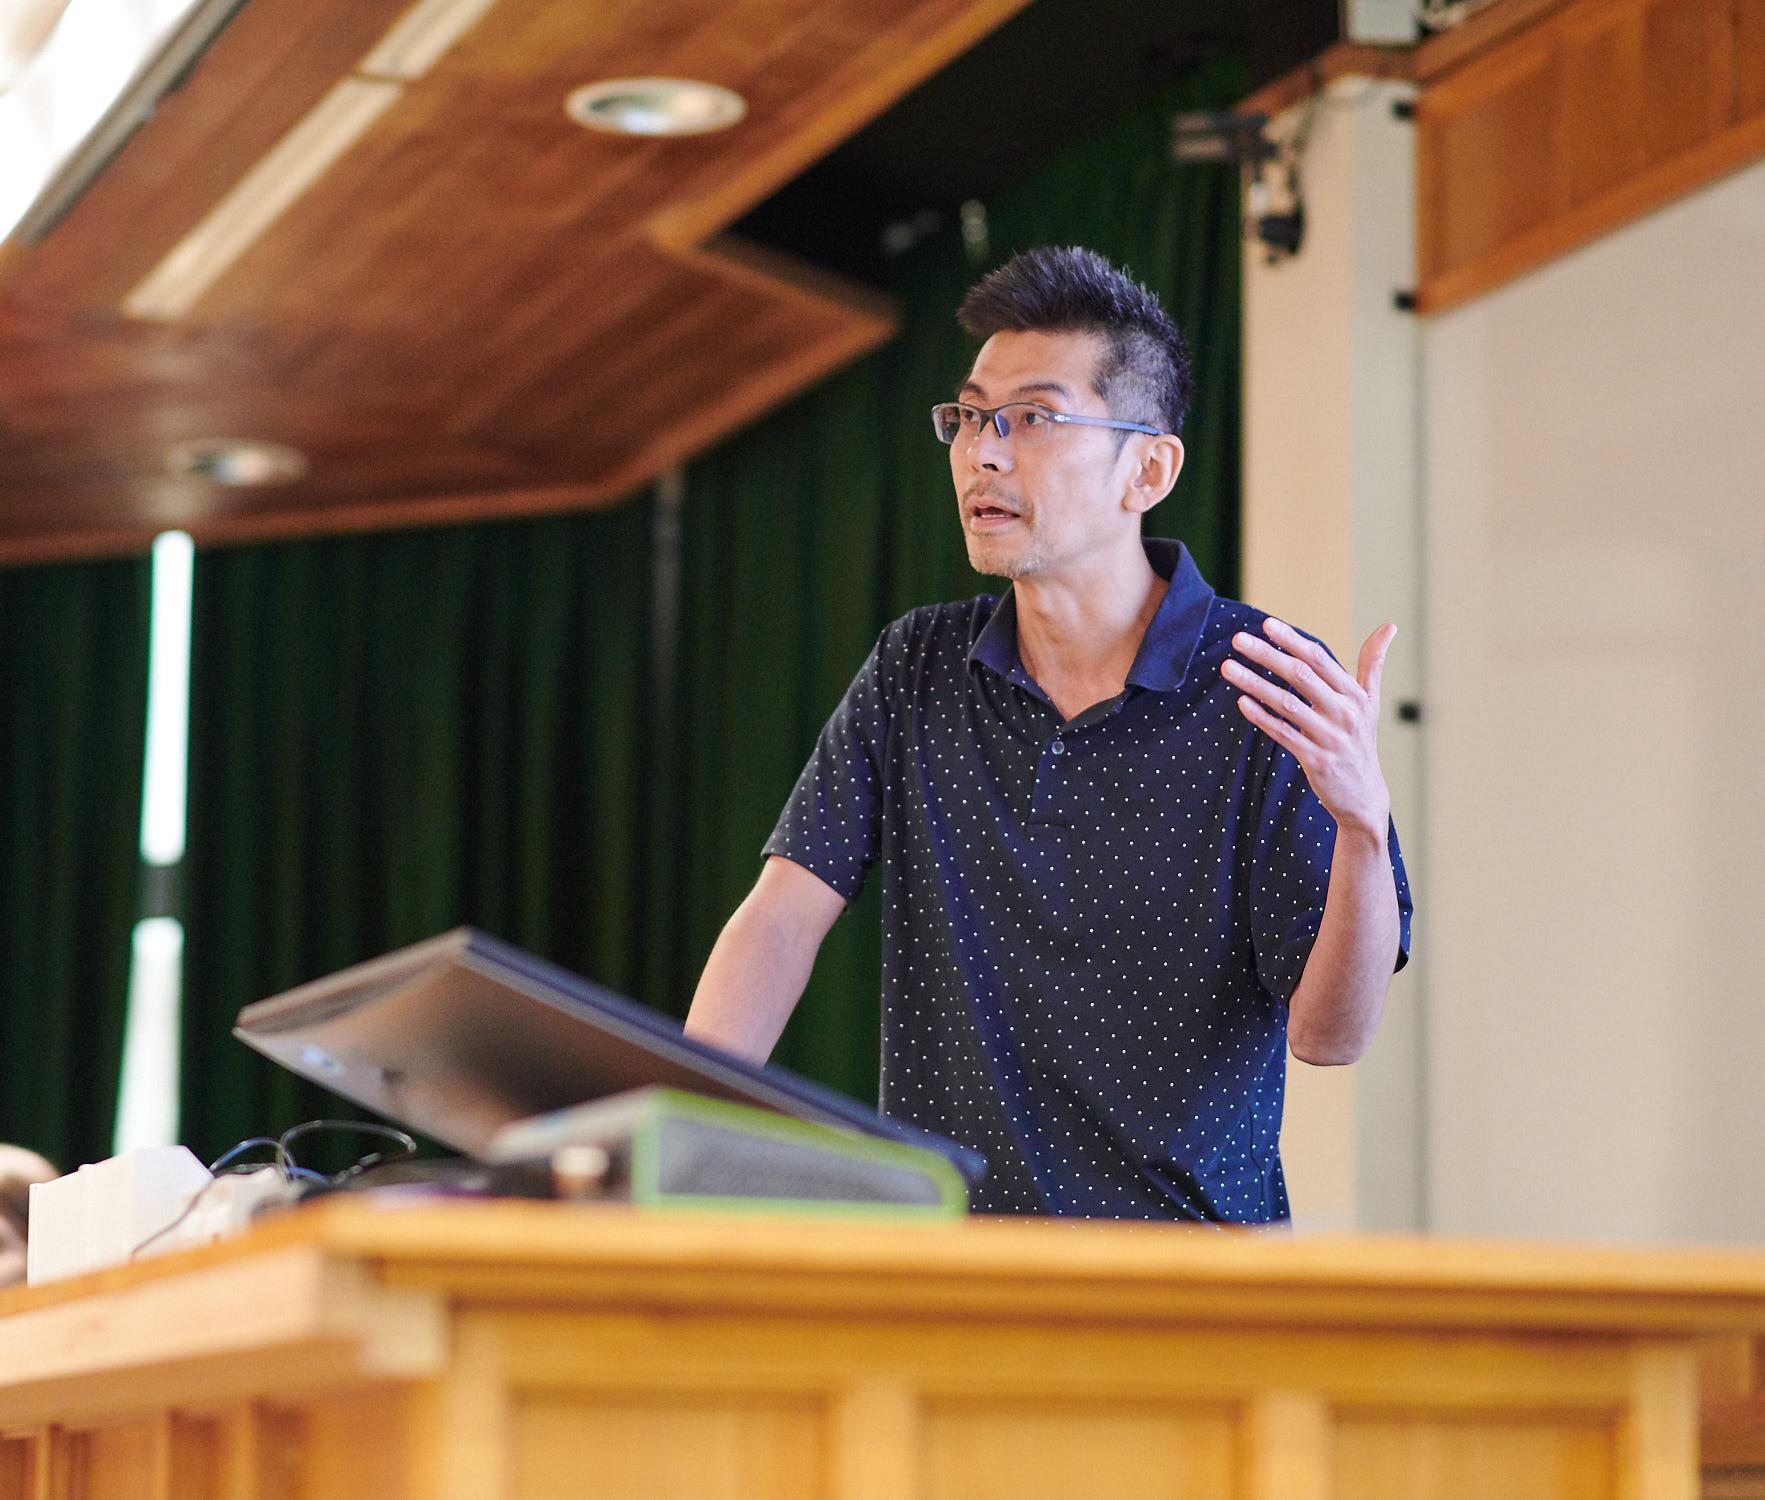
(168, 701)
(147, 1101)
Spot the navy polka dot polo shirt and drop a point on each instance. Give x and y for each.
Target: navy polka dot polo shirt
(1090, 928)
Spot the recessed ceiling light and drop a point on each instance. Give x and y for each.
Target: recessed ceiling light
(237, 464)
(655, 106)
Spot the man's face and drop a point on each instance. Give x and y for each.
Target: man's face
(1032, 503)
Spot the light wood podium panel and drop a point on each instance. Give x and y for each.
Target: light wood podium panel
(362, 1350)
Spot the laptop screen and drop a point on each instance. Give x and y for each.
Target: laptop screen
(463, 1034)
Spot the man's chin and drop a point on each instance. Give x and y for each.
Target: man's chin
(993, 560)
(988, 563)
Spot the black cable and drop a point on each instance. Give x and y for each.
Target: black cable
(227, 1165)
(406, 1144)
(225, 1159)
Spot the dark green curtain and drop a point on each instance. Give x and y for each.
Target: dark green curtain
(394, 735)
(73, 679)
(813, 529)
(782, 538)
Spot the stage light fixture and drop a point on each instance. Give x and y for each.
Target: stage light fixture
(1242, 140)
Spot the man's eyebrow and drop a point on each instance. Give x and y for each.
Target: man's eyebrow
(1034, 387)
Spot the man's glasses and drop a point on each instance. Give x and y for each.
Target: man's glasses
(957, 421)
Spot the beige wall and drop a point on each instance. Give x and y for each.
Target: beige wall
(1595, 512)
(1331, 542)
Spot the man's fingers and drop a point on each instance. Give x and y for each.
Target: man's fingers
(1329, 697)
(1370, 670)
(1281, 700)
(1277, 728)
(1290, 668)
(1324, 664)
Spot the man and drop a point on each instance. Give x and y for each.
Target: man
(1134, 837)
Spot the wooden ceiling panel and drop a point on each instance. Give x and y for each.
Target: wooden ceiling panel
(479, 307)
(639, 364)
(659, 341)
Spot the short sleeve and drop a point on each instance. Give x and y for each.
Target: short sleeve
(832, 824)
(1294, 839)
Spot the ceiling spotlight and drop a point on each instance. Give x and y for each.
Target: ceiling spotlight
(236, 464)
(655, 106)
(1274, 215)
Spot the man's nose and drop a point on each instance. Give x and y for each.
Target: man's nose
(990, 451)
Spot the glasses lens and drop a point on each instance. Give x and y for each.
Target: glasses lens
(955, 419)
(1024, 419)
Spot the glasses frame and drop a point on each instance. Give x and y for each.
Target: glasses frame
(990, 414)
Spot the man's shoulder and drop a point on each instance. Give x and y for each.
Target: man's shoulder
(1226, 617)
(931, 626)
(926, 648)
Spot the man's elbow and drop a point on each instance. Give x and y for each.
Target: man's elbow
(1326, 1052)
(1329, 1032)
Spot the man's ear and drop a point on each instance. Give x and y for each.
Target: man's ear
(1156, 473)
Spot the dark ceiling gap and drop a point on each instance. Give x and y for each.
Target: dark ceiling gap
(1056, 73)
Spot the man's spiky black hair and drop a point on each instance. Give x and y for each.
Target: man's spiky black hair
(1144, 374)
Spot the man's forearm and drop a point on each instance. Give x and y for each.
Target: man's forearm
(751, 984)
(1336, 1007)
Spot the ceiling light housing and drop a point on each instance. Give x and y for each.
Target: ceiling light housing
(237, 464)
(655, 106)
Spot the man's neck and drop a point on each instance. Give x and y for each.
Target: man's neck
(1078, 632)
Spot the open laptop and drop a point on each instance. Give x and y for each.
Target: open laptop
(463, 1034)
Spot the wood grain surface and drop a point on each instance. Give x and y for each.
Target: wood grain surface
(389, 1348)
(1594, 113)
(480, 308)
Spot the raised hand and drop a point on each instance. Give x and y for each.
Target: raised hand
(1328, 719)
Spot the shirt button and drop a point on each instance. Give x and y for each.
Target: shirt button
(1058, 747)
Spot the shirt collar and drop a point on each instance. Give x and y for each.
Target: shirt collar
(1167, 647)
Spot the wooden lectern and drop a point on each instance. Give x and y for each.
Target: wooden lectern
(373, 1350)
